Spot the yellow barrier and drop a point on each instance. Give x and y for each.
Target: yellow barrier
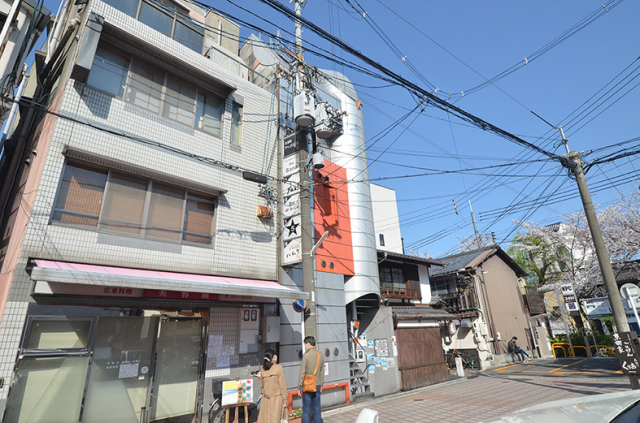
(564, 350)
(586, 353)
(599, 348)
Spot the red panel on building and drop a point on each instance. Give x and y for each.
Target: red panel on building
(331, 213)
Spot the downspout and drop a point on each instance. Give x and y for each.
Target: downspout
(489, 314)
(53, 43)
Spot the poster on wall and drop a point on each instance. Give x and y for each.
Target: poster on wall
(394, 345)
(381, 348)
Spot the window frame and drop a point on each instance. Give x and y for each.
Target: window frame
(175, 15)
(197, 123)
(142, 234)
(57, 352)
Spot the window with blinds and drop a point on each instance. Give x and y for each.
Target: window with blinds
(116, 202)
(139, 83)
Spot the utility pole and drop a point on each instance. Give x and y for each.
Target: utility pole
(306, 193)
(475, 229)
(573, 162)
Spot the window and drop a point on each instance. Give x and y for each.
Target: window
(133, 206)
(156, 18)
(391, 276)
(164, 19)
(209, 113)
(126, 6)
(236, 123)
(179, 101)
(442, 286)
(159, 92)
(109, 72)
(381, 240)
(145, 86)
(80, 196)
(188, 34)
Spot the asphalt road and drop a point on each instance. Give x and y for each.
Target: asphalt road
(487, 394)
(569, 367)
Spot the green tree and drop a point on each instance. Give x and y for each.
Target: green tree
(541, 253)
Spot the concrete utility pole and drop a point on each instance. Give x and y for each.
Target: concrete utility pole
(574, 163)
(475, 229)
(306, 193)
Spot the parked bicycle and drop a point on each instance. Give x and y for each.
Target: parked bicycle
(468, 362)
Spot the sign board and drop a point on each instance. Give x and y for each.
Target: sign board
(570, 299)
(598, 308)
(237, 392)
(626, 351)
(630, 292)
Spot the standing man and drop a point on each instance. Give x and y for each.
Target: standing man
(312, 363)
(514, 348)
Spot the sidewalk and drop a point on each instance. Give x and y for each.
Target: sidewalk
(479, 397)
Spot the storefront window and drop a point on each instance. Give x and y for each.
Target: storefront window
(47, 390)
(58, 334)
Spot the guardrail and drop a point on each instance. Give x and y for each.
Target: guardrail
(344, 385)
(570, 351)
(597, 350)
(565, 346)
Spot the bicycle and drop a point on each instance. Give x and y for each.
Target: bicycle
(467, 363)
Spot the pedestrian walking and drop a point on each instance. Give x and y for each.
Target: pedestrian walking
(311, 380)
(513, 347)
(273, 406)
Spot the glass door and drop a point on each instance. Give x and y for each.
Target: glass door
(178, 355)
(51, 371)
(120, 374)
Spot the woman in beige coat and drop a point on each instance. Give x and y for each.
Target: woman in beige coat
(274, 390)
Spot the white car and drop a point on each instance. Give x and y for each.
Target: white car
(619, 407)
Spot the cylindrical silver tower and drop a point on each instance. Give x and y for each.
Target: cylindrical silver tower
(348, 151)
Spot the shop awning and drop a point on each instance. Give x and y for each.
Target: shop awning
(109, 276)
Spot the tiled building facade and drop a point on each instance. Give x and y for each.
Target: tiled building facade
(138, 167)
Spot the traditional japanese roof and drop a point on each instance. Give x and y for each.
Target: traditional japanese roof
(409, 259)
(459, 262)
(626, 271)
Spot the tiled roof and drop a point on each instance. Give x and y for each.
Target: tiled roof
(459, 261)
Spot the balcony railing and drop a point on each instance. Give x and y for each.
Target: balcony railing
(459, 302)
(407, 291)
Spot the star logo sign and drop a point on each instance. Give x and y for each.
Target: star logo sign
(293, 227)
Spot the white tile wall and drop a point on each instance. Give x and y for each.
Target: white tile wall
(244, 245)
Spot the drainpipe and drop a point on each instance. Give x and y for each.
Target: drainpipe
(14, 107)
(53, 43)
(56, 54)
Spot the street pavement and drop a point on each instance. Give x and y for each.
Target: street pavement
(487, 394)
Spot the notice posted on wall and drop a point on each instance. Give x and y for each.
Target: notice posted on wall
(128, 370)
(215, 345)
(381, 348)
(223, 361)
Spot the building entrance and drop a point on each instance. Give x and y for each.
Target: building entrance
(136, 369)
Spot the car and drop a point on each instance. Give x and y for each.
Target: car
(618, 407)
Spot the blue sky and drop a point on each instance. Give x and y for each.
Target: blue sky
(453, 45)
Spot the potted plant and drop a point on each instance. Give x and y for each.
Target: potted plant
(295, 415)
